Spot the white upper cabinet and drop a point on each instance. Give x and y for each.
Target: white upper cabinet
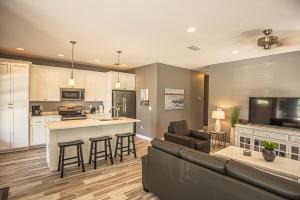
(37, 84)
(95, 86)
(127, 80)
(44, 83)
(52, 84)
(65, 75)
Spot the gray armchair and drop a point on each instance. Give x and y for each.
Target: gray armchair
(179, 133)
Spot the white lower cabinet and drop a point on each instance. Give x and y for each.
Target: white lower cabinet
(37, 135)
(38, 129)
(286, 141)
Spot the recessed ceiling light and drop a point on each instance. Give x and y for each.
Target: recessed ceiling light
(60, 55)
(194, 48)
(235, 52)
(20, 49)
(97, 60)
(191, 29)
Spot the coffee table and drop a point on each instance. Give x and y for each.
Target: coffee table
(283, 167)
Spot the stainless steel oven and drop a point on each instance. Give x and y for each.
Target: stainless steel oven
(71, 94)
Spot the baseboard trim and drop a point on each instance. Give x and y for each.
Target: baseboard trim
(144, 137)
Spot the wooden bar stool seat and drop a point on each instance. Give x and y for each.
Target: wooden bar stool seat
(94, 154)
(79, 157)
(120, 145)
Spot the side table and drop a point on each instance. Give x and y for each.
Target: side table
(220, 138)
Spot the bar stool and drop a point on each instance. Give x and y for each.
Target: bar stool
(107, 146)
(61, 161)
(128, 149)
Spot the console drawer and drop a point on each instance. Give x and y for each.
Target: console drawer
(294, 138)
(279, 136)
(247, 131)
(261, 133)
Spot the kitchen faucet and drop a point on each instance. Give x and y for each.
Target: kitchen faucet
(117, 108)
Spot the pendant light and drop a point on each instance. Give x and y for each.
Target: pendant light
(72, 80)
(118, 84)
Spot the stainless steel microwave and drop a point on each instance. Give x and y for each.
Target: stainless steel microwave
(71, 94)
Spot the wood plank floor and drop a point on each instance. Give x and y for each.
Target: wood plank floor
(27, 174)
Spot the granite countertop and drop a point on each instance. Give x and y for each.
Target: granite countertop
(70, 124)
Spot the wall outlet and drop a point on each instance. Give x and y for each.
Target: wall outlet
(142, 127)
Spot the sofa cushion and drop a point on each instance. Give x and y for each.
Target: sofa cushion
(167, 147)
(180, 127)
(266, 181)
(211, 162)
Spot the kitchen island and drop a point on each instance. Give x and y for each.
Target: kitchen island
(64, 131)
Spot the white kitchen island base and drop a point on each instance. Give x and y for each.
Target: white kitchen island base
(65, 131)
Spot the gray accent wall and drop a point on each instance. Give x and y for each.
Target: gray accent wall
(231, 84)
(156, 77)
(146, 77)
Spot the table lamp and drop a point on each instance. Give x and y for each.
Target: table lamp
(218, 114)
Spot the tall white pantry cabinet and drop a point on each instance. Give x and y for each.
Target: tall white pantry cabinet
(14, 104)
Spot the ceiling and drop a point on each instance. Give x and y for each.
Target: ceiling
(147, 31)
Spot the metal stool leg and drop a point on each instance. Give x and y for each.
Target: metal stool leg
(81, 156)
(133, 144)
(78, 158)
(91, 151)
(59, 159)
(128, 140)
(95, 155)
(105, 149)
(110, 153)
(116, 148)
(62, 162)
(121, 150)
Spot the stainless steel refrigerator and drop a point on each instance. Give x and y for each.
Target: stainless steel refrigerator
(125, 101)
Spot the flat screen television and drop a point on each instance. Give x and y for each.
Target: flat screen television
(275, 111)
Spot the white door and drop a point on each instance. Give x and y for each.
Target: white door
(52, 84)
(20, 127)
(20, 85)
(79, 76)
(100, 86)
(5, 127)
(37, 135)
(130, 82)
(65, 75)
(5, 110)
(90, 83)
(37, 84)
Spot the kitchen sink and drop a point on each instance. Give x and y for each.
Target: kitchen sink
(111, 119)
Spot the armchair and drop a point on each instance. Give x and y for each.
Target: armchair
(179, 133)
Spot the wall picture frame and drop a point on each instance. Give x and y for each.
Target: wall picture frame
(174, 99)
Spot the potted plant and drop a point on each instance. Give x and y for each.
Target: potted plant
(269, 152)
(235, 112)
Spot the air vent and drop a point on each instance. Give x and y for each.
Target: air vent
(194, 48)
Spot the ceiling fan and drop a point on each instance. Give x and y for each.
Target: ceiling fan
(269, 40)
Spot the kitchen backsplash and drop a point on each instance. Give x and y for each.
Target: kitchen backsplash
(52, 106)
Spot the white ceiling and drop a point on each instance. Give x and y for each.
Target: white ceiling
(147, 31)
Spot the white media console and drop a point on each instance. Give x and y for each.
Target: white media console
(251, 137)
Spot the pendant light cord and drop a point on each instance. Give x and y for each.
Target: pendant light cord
(119, 52)
(73, 43)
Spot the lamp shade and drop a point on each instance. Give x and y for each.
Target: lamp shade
(218, 114)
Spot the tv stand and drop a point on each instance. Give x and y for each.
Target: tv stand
(251, 137)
